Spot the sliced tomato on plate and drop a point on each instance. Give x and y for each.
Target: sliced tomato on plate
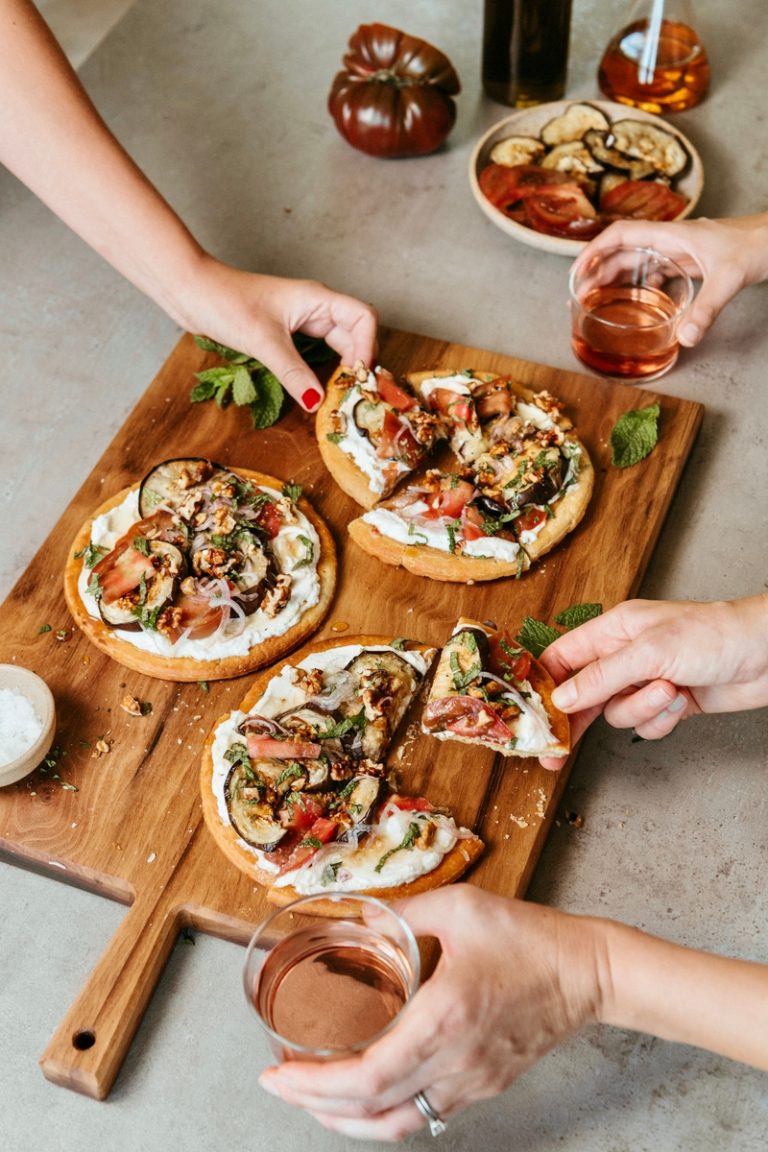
(504, 185)
(562, 210)
(391, 392)
(643, 200)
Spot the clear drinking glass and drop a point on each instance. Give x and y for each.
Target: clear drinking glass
(327, 976)
(626, 306)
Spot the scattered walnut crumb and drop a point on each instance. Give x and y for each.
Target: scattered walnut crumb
(520, 821)
(101, 748)
(132, 706)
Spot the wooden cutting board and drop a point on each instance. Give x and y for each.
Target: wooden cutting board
(127, 823)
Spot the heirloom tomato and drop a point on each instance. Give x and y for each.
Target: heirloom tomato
(394, 96)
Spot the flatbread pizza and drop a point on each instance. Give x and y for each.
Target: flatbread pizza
(201, 572)
(501, 479)
(296, 787)
(489, 691)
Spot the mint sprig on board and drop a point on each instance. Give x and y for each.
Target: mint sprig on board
(535, 635)
(246, 382)
(634, 436)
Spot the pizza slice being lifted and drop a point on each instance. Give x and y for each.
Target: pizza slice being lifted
(487, 690)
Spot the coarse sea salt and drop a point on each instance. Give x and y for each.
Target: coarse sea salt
(20, 725)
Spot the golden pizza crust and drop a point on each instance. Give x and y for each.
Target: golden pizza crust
(185, 668)
(341, 466)
(453, 864)
(425, 561)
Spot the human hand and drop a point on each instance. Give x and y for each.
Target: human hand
(258, 314)
(513, 980)
(727, 255)
(648, 664)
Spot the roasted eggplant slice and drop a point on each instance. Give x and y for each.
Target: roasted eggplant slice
(513, 150)
(387, 684)
(466, 649)
(573, 157)
(359, 798)
(169, 483)
(369, 418)
(251, 817)
(573, 124)
(643, 141)
(155, 587)
(599, 144)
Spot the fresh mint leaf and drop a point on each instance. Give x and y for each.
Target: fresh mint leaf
(634, 436)
(292, 492)
(268, 404)
(535, 635)
(577, 614)
(230, 354)
(243, 388)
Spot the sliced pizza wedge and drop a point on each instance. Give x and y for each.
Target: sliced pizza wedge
(373, 431)
(296, 788)
(488, 690)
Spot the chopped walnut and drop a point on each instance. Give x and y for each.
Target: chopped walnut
(132, 706)
(277, 597)
(360, 371)
(101, 748)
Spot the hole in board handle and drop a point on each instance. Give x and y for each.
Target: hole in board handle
(84, 1040)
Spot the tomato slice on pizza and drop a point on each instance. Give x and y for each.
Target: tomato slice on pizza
(488, 690)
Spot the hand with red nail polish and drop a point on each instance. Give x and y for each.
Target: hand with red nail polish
(100, 192)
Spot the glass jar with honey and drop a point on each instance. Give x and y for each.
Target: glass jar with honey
(656, 61)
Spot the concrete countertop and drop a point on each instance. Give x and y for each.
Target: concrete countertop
(223, 103)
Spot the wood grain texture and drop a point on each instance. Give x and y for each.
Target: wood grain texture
(133, 829)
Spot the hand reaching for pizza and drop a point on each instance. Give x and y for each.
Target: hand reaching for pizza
(727, 255)
(259, 314)
(461, 1039)
(648, 664)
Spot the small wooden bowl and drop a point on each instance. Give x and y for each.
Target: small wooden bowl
(30, 685)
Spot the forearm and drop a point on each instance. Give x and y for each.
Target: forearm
(54, 140)
(711, 1002)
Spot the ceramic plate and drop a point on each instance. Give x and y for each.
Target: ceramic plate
(529, 122)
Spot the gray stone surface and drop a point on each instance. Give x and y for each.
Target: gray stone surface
(223, 103)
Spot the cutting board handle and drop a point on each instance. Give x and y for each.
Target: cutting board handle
(88, 1047)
